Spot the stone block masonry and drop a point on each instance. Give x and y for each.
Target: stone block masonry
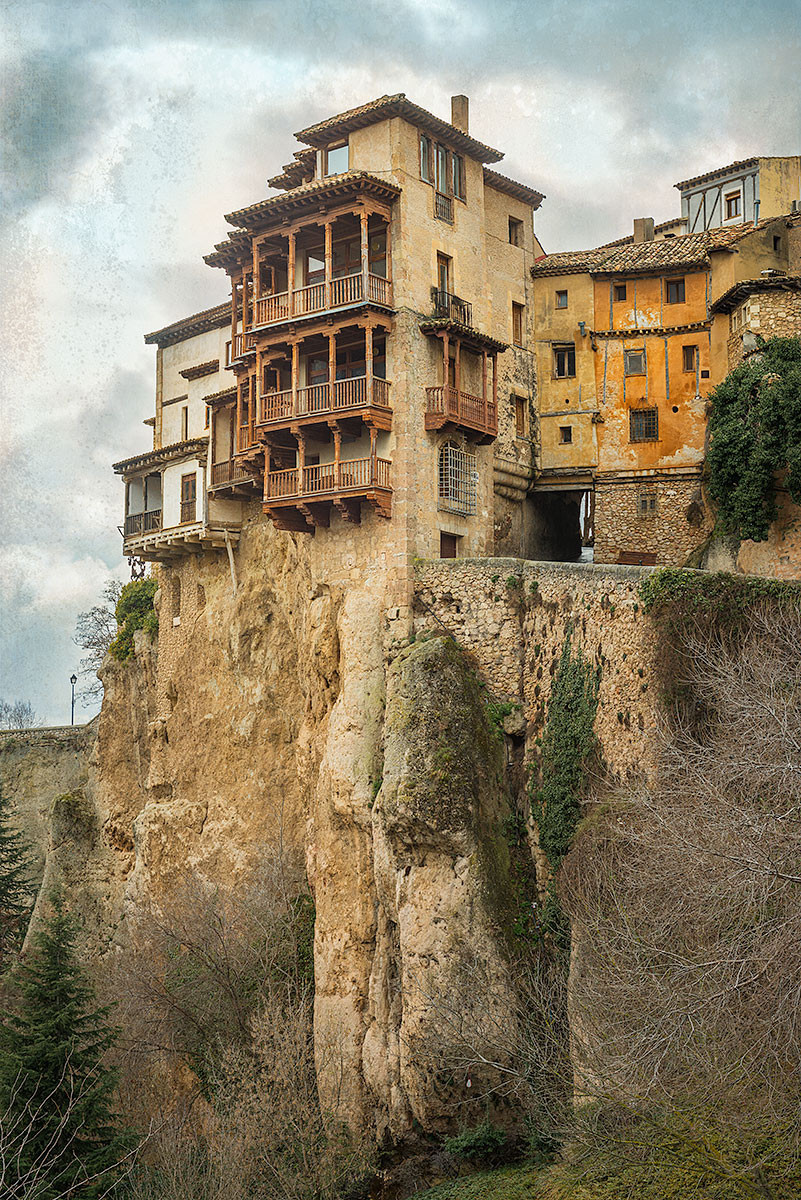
(512, 617)
(664, 516)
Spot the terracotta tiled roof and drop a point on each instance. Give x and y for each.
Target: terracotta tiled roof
(748, 287)
(467, 333)
(256, 214)
(150, 458)
(293, 173)
(210, 318)
(735, 166)
(396, 106)
(625, 257)
(511, 187)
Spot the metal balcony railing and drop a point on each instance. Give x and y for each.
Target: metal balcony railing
(454, 308)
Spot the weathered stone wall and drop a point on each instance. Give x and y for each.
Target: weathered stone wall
(771, 313)
(680, 523)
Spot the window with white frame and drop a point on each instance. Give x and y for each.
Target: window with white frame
(458, 477)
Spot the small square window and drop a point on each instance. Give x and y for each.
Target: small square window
(564, 361)
(675, 291)
(634, 362)
(336, 160)
(777, 245)
(689, 357)
(520, 416)
(561, 299)
(565, 434)
(620, 291)
(517, 324)
(448, 545)
(643, 425)
(646, 502)
(515, 232)
(732, 205)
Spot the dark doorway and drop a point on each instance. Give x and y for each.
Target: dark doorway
(447, 545)
(554, 532)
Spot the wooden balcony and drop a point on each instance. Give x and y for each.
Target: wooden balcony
(145, 522)
(243, 343)
(321, 297)
(346, 397)
(474, 414)
(224, 473)
(300, 498)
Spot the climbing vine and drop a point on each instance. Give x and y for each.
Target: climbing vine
(675, 598)
(755, 434)
(134, 611)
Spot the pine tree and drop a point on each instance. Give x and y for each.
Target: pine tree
(55, 1092)
(15, 888)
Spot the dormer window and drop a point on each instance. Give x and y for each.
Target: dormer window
(336, 159)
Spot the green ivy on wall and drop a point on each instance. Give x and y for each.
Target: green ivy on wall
(755, 434)
(134, 611)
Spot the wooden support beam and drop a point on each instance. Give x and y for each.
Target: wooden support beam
(295, 372)
(328, 262)
(291, 272)
(365, 255)
(368, 360)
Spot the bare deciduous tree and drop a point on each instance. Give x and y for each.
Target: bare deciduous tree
(95, 630)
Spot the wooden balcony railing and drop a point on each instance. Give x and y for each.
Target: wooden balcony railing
(243, 344)
(188, 512)
(443, 207)
(446, 404)
(454, 308)
(148, 522)
(246, 437)
(227, 472)
(328, 478)
(347, 289)
(347, 393)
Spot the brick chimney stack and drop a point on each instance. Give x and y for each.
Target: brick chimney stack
(643, 229)
(460, 113)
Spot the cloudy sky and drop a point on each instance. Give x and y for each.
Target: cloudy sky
(129, 128)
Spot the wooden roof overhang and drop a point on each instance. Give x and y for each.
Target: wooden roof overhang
(473, 339)
(179, 331)
(520, 191)
(651, 330)
(194, 447)
(220, 399)
(325, 132)
(309, 196)
(362, 314)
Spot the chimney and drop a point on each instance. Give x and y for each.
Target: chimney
(643, 229)
(460, 113)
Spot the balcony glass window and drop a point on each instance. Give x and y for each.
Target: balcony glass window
(315, 267)
(317, 371)
(377, 255)
(380, 358)
(347, 258)
(350, 362)
(337, 160)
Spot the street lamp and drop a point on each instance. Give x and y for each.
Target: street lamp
(73, 681)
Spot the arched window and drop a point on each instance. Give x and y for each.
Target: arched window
(457, 479)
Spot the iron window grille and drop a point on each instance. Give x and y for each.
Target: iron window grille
(458, 479)
(644, 424)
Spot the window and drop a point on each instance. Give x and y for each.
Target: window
(457, 174)
(448, 545)
(689, 357)
(208, 412)
(634, 362)
(517, 324)
(336, 159)
(444, 273)
(646, 502)
(643, 425)
(520, 415)
(564, 361)
(316, 371)
(675, 291)
(315, 267)
(561, 299)
(346, 259)
(442, 170)
(377, 255)
(184, 423)
(565, 434)
(777, 245)
(732, 205)
(457, 480)
(515, 232)
(620, 291)
(426, 159)
(188, 497)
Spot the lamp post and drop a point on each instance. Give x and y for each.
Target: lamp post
(73, 681)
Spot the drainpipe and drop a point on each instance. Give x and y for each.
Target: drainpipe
(756, 213)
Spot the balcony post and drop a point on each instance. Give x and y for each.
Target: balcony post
(301, 461)
(368, 362)
(495, 383)
(389, 259)
(328, 255)
(238, 412)
(291, 274)
(445, 365)
(337, 454)
(373, 436)
(234, 288)
(258, 389)
(484, 382)
(363, 218)
(256, 288)
(457, 369)
(295, 373)
(332, 368)
(244, 305)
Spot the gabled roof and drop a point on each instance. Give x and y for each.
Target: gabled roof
(740, 165)
(511, 187)
(398, 105)
(749, 287)
(627, 257)
(209, 318)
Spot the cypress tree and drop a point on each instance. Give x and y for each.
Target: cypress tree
(15, 888)
(55, 1091)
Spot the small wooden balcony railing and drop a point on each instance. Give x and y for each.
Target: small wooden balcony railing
(454, 308)
(445, 404)
(243, 344)
(443, 207)
(321, 479)
(322, 398)
(318, 297)
(227, 472)
(246, 436)
(145, 522)
(188, 512)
